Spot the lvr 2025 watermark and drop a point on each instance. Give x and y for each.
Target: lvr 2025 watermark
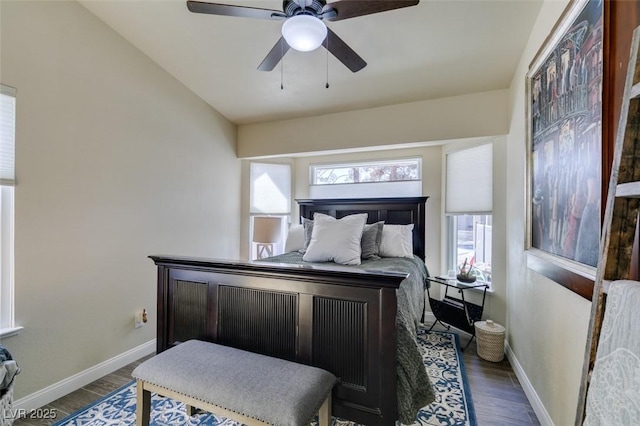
(36, 413)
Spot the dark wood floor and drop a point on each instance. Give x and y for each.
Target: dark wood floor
(497, 395)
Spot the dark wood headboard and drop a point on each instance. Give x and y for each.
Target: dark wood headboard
(393, 211)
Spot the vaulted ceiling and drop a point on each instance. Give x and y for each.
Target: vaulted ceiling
(438, 48)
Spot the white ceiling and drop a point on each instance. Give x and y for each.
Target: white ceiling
(436, 49)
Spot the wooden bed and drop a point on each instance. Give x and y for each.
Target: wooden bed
(338, 318)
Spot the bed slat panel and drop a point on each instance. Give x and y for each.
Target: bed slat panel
(189, 319)
(258, 321)
(341, 324)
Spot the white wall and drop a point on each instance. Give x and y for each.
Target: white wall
(547, 323)
(115, 160)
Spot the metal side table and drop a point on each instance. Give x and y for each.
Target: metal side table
(451, 311)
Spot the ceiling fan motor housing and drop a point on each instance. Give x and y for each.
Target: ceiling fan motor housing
(312, 7)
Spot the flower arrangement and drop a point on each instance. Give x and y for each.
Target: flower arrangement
(466, 275)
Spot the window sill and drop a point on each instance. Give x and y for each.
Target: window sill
(10, 331)
(490, 290)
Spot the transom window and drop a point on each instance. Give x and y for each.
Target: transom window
(374, 171)
(376, 178)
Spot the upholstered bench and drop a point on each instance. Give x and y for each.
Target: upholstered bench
(243, 386)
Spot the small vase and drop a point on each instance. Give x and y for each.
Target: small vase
(466, 278)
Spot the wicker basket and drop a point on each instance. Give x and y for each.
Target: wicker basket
(6, 403)
(490, 338)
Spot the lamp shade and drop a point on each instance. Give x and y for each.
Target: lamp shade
(304, 32)
(266, 230)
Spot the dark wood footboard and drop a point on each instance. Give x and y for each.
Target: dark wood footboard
(339, 319)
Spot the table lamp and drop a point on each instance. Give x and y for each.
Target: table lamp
(266, 232)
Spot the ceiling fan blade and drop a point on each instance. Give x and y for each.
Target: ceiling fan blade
(343, 52)
(345, 9)
(231, 10)
(274, 56)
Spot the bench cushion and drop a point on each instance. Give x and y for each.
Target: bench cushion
(265, 388)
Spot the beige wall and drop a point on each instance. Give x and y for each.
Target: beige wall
(115, 161)
(547, 323)
(110, 150)
(459, 117)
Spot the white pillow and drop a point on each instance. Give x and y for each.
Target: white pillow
(336, 240)
(295, 239)
(397, 241)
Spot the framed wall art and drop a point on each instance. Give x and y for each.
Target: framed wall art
(564, 148)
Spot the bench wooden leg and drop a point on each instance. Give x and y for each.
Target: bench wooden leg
(143, 404)
(191, 410)
(324, 415)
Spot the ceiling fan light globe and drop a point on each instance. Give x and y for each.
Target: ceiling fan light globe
(304, 32)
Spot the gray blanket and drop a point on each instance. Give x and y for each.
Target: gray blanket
(8, 369)
(414, 388)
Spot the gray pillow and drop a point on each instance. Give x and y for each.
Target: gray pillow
(370, 243)
(308, 230)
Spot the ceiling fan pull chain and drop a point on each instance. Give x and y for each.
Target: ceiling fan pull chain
(282, 65)
(326, 47)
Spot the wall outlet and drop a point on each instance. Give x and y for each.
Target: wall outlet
(137, 320)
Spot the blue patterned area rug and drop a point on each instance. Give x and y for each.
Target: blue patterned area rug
(442, 359)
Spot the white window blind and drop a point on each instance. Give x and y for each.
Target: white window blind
(7, 181)
(7, 134)
(469, 181)
(270, 188)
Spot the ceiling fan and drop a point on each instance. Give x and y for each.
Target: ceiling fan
(303, 28)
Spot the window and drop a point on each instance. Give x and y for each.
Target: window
(7, 180)
(468, 208)
(386, 178)
(270, 208)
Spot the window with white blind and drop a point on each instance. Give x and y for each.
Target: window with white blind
(376, 178)
(468, 209)
(270, 207)
(7, 182)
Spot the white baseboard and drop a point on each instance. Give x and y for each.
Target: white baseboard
(57, 390)
(532, 395)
